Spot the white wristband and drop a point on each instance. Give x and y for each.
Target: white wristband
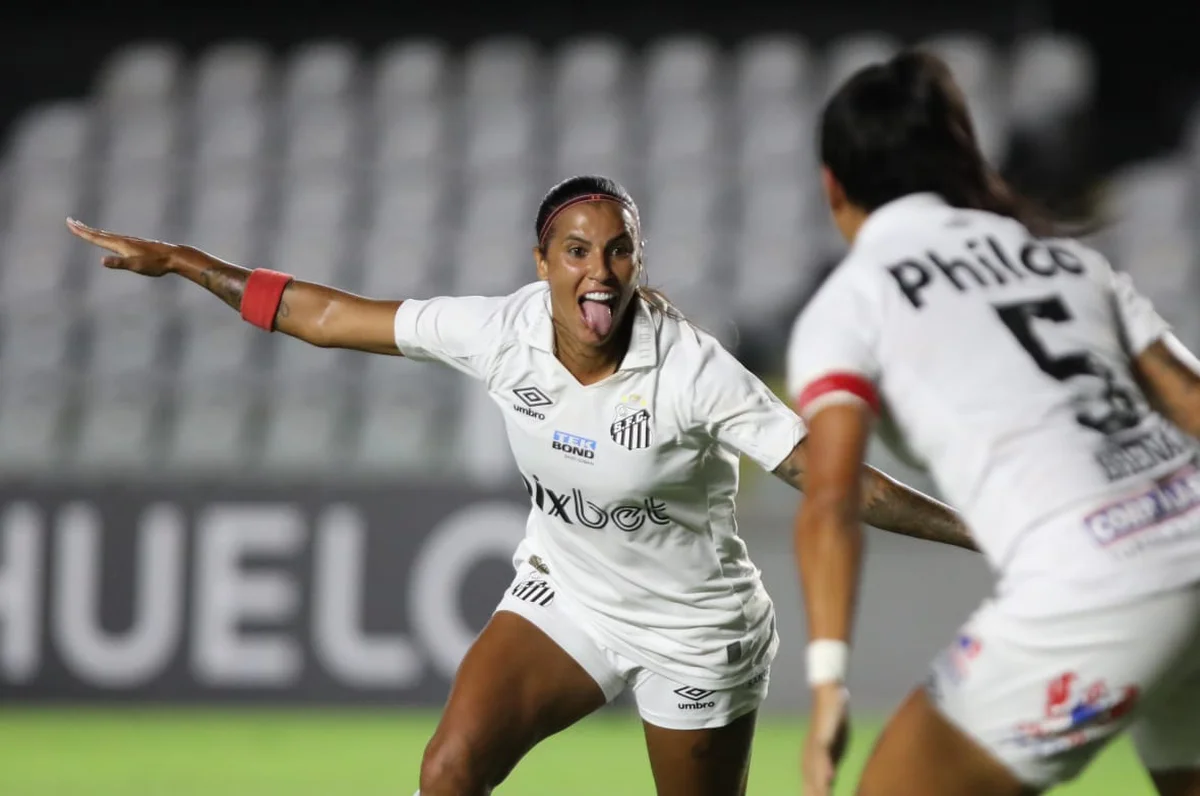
(827, 661)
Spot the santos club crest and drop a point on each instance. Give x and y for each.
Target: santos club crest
(631, 429)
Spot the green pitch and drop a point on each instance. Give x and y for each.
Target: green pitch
(178, 752)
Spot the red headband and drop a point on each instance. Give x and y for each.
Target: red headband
(589, 197)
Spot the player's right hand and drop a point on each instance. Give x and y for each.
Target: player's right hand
(141, 256)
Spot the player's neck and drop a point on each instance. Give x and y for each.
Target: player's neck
(849, 221)
(591, 363)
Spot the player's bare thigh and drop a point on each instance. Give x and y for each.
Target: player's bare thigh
(515, 687)
(920, 753)
(710, 762)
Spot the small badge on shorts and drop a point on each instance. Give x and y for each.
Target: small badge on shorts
(1075, 712)
(955, 661)
(756, 679)
(534, 590)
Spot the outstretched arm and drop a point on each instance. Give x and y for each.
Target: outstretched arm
(1169, 374)
(316, 314)
(891, 506)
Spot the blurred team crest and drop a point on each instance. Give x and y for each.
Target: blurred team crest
(631, 427)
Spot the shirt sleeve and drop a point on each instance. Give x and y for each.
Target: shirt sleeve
(462, 332)
(832, 355)
(739, 412)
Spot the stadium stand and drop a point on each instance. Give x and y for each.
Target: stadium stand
(415, 170)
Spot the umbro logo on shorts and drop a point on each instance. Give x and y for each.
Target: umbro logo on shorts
(698, 698)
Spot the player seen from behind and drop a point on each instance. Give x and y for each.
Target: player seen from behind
(1052, 406)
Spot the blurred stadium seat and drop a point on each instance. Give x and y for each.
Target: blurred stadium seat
(847, 54)
(593, 67)
(416, 169)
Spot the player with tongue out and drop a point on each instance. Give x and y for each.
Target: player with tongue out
(598, 312)
(589, 251)
(626, 424)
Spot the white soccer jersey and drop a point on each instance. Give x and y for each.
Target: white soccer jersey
(1002, 363)
(632, 479)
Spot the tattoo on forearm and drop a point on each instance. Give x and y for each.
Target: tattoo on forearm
(225, 285)
(791, 472)
(891, 506)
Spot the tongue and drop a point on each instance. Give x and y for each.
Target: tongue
(598, 317)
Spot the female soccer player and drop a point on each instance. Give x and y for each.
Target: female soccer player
(1052, 405)
(626, 423)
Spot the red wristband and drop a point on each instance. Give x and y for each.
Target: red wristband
(260, 301)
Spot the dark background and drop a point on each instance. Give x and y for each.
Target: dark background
(1149, 64)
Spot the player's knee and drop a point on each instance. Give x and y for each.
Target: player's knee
(452, 767)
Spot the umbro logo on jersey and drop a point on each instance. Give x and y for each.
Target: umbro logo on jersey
(631, 429)
(698, 698)
(532, 398)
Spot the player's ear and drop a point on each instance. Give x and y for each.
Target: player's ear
(539, 260)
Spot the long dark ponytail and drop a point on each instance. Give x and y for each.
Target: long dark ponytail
(903, 127)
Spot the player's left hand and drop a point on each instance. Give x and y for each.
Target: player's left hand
(828, 732)
(141, 256)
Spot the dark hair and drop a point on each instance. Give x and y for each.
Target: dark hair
(903, 127)
(590, 188)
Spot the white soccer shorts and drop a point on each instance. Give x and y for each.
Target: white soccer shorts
(1045, 695)
(660, 701)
